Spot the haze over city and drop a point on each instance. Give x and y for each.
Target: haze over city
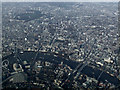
(60, 0)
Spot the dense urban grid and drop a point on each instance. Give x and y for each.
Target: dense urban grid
(60, 45)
